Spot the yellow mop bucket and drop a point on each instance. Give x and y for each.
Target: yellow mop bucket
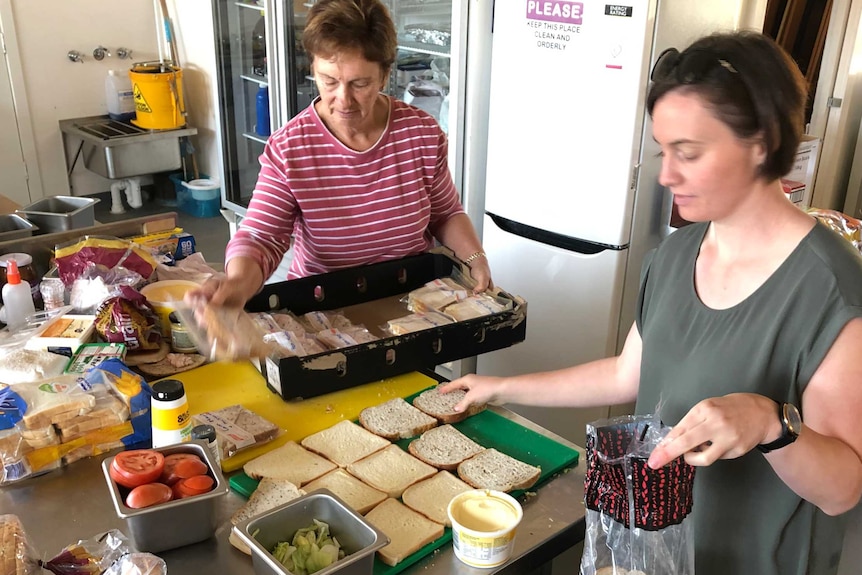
(158, 93)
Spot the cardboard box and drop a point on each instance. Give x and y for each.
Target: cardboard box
(8, 206)
(795, 190)
(804, 167)
(174, 244)
(370, 295)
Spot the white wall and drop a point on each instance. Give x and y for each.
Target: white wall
(56, 89)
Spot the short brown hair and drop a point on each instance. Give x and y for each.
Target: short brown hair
(752, 85)
(334, 26)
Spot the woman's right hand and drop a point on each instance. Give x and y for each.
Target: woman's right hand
(480, 389)
(234, 288)
(221, 291)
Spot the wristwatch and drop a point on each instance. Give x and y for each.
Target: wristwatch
(791, 425)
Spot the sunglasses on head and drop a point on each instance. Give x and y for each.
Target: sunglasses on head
(689, 67)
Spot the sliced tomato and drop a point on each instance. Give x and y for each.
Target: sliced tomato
(195, 485)
(137, 467)
(181, 465)
(148, 494)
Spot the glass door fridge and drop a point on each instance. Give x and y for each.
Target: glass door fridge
(264, 80)
(263, 71)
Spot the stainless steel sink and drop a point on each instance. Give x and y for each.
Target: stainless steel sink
(119, 150)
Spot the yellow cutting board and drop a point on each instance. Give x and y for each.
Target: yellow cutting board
(217, 385)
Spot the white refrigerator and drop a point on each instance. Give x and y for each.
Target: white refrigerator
(571, 199)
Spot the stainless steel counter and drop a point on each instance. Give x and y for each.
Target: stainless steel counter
(73, 503)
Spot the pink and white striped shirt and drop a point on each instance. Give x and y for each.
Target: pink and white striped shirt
(346, 208)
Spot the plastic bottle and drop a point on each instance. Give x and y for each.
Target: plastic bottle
(119, 96)
(208, 433)
(17, 298)
(169, 410)
(262, 101)
(258, 48)
(27, 272)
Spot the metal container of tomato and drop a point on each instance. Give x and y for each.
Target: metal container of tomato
(175, 523)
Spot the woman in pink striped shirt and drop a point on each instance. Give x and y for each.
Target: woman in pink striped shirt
(356, 178)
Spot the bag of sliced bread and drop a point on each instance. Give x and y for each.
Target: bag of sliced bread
(237, 428)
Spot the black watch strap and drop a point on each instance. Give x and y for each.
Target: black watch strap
(788, 434)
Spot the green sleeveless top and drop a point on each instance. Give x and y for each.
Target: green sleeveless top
(746, 519)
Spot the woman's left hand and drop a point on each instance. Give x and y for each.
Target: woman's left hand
(719, 428)
(480, 271)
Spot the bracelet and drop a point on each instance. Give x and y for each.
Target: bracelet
(474, 256)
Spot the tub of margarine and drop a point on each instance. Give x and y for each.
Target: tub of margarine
(164, 296)
(483, 526)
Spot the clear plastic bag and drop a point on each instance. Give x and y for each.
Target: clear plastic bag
(108, 553)
(17, 556)
(226, 334)
(846, 226)
(635, 520)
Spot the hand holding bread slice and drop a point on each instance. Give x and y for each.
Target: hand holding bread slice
(442, 405)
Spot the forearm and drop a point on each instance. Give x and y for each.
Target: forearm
(246, 275)
(820, 469)
(597, 383)
(458, 234)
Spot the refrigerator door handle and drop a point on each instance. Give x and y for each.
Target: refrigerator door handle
(551, 238)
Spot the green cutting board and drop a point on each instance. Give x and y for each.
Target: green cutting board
(488, 429)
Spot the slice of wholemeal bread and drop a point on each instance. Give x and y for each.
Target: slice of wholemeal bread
(344, 442)
(443, 447)
(431, 496)
(395, 419)
(391, 470)
(441, 405)
(491, 469)
(408, 531)
(270, 493)
(358, 495)
(291, 461)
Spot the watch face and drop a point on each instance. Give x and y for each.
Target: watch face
(792, 417)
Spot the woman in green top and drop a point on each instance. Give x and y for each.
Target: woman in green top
(749, 322)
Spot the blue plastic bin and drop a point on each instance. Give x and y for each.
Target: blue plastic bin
(192, 202)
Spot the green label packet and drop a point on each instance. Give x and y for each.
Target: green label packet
(90, 354)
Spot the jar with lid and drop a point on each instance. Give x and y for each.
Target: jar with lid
(28, 274)
(207, 433)
(181, 339)
(169, 410)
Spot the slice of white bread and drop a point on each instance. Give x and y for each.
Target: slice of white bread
(270, 493)
(344, 442)
(491, 469)
(391, 470)
(291, 461)
(358, 495)
(395, 419)
(443, 447)
(441, 405)
(431, 496)
(408, 531)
